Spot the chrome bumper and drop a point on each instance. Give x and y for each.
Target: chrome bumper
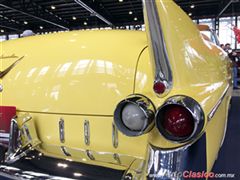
(163, 164)
(171, 164)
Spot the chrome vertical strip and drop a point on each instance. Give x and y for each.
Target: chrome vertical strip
(215, 108)
(65, 152)
(86, 132)
(61, 130)
(13, 137)
(163, 72)
(1, 87)
(114, 136)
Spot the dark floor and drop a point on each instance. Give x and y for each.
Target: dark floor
(228, 161)
(229, 157)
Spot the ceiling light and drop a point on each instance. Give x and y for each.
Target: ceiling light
(120, 0)
(40, 27)
(74, 18)
(192, 6)
(53, 7)
(85, 23)
(25, 22)
(135, 19)
(130, 12)
(190, 14)
(2, 31)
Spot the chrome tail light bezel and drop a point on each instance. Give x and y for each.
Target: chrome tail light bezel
(145, 105)
(191, 106)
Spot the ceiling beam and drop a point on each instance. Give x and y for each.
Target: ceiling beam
(11, 28)
(227, 5)
(35, 17)
(93, 12)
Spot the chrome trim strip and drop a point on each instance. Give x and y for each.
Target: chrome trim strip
(90, 155)
(145, 105)
(13, 137)
(4, 139)
(7, 70)
(116, 157)
(61, 130)
(163, 72)
(192, 106)
(26, 132)
(1, 88)
(114, 136)
(215, 108)
(100, 156)
(65, 152)
(4, 135)
(87, 132)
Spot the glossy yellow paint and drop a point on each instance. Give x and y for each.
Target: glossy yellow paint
(80, 72)
(200, 70)
(83, 75)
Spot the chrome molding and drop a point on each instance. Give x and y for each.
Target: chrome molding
(84, 155)
(13, 137)
(1, 88)
(163, 72)
(215, 108)
(61, 130)
(145, 105)
(192, 106)
(135, 170)
(6, 71)
(169, 164)
(65, 152)
(114, 136)
(26, 132)
(87, 132)
(90, 155)
(117, 158)
(15, 148)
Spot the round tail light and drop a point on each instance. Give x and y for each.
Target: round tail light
(180, 119)
(159, 87)
(134, 116)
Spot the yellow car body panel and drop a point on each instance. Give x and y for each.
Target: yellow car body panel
(62, 72)
(83, 75)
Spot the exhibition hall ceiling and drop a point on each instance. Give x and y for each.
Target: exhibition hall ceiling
(55, 15)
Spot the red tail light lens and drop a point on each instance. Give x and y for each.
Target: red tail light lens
(6, 115)
(178, 121)
(159, 87)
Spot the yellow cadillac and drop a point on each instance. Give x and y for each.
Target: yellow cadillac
(114, 104)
